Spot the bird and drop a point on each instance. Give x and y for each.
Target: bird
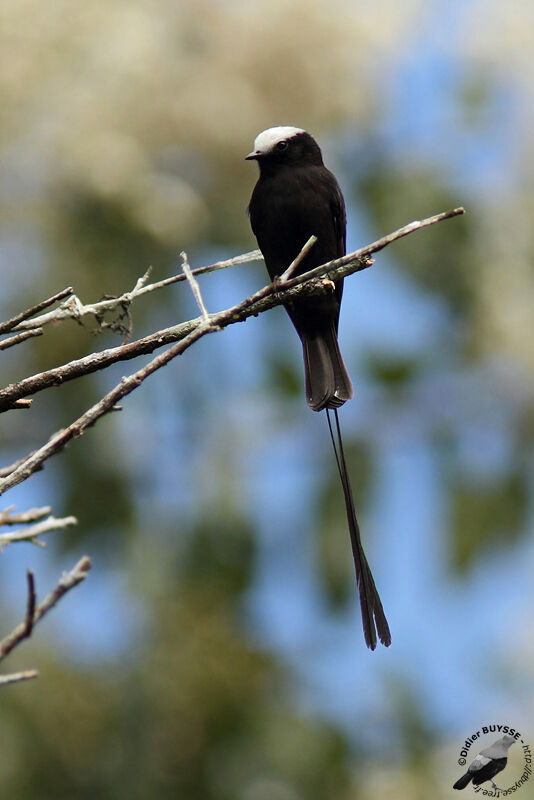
(297, 197)
(488, 763)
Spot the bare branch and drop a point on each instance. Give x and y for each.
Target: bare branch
(180, 337)
(271, 295)
(7, 470)
(30, 607)
(67, 582)
(14, 322)
(23, 517)
(30, 534)
(75, 309)
(18, 677)
(93, 363)
(195, 288)
(294, 264)
(311, 282)
(58, 441)
(142, 281)
(21, 404)
(20, 337)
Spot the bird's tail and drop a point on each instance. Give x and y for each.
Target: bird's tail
(462, 782)
(373, 616)
(327, 381)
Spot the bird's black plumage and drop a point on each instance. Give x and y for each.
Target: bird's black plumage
(296, 197)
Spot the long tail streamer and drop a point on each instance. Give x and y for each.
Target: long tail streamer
(373, 616)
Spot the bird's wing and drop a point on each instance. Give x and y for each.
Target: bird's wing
(479, 762)
(340, 221)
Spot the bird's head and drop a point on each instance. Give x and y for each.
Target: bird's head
(508, 740)
(285, 145)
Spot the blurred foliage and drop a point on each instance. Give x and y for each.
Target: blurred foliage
(334, 553)
(123, 128)
(222, 547)
(98, 243)
(443, 263)
(391, 372)
(487, 517)
(282, 376)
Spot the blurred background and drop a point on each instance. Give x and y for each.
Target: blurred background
(215, 651)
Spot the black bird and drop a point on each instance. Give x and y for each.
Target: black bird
(296, 197)
(487, 764)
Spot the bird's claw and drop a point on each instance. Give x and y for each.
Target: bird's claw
(277, 284)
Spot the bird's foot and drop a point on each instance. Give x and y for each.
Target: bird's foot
(277, 283)
(496, 787)
(328, 284)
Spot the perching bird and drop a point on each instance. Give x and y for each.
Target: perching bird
(487, 764)
(296, 197)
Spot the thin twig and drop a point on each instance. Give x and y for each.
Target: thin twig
(271, 295)
(30, 607)
(195, 288)
(12, 323)
(8, 469)
(310, 282)
(75, 309)
(294, 264)
(59, 440)
(18, 677)
(142, 281)
(23, 517)
(21, 404)
(30, 534)
(67, 582)
(20, 337)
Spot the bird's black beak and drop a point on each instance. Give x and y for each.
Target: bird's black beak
(252, 156)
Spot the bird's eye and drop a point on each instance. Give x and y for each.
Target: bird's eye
(281, 145)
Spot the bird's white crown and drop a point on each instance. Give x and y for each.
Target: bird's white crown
(269, 138)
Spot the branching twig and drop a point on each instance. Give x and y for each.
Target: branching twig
(267, 297)
(30, 534)
(75, 309)
(262, 300)
(67, 582)
(15, 323)
(180, 337)
(59, 440)
(23, 517)
(8, 469)
(294, 264)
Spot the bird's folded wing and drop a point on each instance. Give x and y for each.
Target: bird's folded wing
(479, 762)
